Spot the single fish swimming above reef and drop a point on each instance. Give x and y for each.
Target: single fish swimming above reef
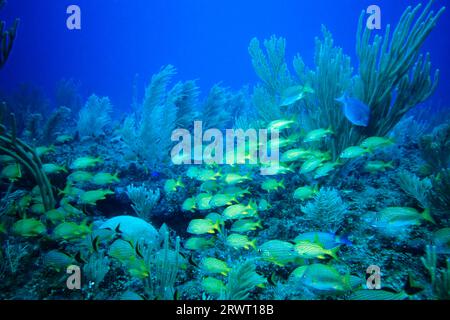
(355, 111)
(293, 94)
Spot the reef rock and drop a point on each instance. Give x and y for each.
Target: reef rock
(133, 229)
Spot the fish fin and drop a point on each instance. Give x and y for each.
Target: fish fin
(316, 188)
(411, 286)
(347, 283)
(176, 295)
(272, 279)
(427, 216)
(217, 227)
(95, 243)
(19, 168)
(277, 263)
(192, 261)
(344, 239)
(79, 258)
(253, 244)
(252, 205)
(180, 183)
(138, 251)
(342, 98)
(333, 253)
(281, 184)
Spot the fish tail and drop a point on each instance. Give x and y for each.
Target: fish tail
(180, 183)
(344, 239)
(427, 216)
(253, 244)
(19, 168)
(217, 227)
(316, 188)
(346, 282)
(333, 253)
(281, 184)
(252, 205)
(341, 99)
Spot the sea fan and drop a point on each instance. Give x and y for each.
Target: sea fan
(94, 117)
(327, 211)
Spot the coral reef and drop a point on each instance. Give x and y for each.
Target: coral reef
(81, 190)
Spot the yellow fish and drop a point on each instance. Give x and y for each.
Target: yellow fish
(29, 227)
(91, 197)
(213, 265)
(311, 250)
(238, 211)
(202, 226)
(13, 172)
(171, 185)
(239, 241)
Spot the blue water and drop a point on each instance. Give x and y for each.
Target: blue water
(204, 40)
